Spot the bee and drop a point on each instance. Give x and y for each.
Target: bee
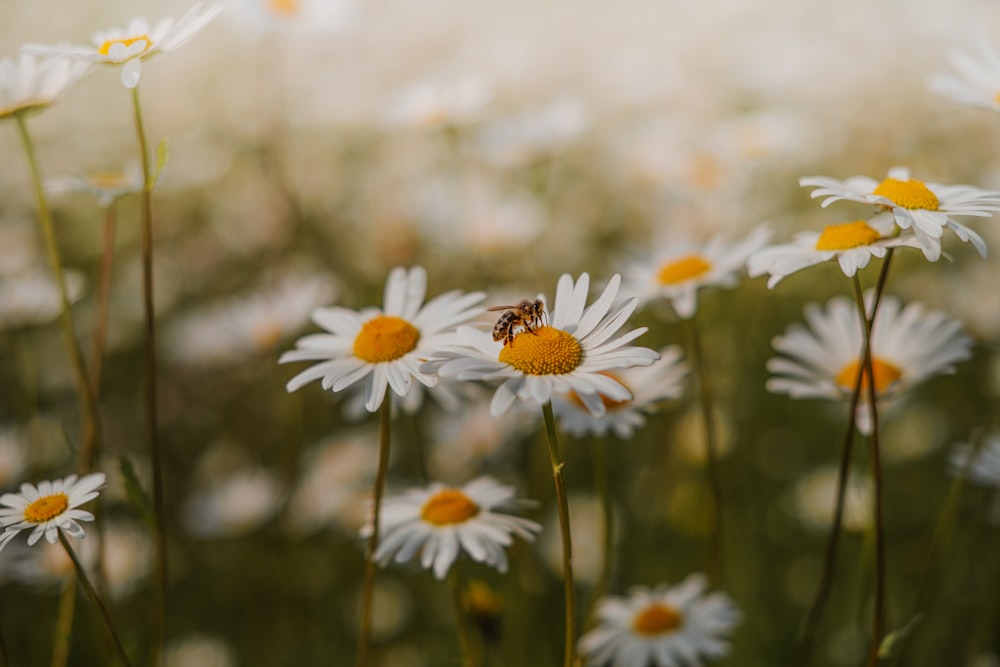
(525, 316)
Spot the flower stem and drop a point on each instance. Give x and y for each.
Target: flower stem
(368, 591)
(92, 594)
(804, 644)
(878, 613)
(465, 643)
(64, 627)
(711, 449)
(159, 511)
(88, 400)
(567, 543)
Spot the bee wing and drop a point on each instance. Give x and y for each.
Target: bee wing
(502, 308)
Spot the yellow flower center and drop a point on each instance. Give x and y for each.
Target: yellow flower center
(447, 507)
(284, 7)
(609, 404)
(107, 180)
(46, 508)
(385, 338)
(657, 619)
(885, 375)
(127, 41)
(846, 236)
(543, 351)
(682, 269)
(911, 194)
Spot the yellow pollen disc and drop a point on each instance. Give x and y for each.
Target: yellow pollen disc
(284, 7)
(46, 508)
(846, 236)
(385, 338)
(447, 507)
(657, 619)
(107, 179)
(609, 404)
(127, 41)
(543, 351)
(885, 375)
(912, 194)
(682, 269)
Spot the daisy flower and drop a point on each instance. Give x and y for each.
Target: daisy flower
(976, 80)
(300, 15)
(679, 270)
(433, 104)
(438, 522)
(822, 360)
(138, 41)
(926, 208)
(851, 244)
(105, 186)
(984, 468)
(33, 297)
(570, 351)
(48, 508)
(666, 626)
(383, 348)
(650, 385)
(30, 84)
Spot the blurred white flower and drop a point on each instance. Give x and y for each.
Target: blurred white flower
(335, 484)
(909, 345)
(531, 134)
(815, 495)
(200, 651)
(435, 524)
(234, 505)
(664, 626)
(249, 324)
(924, 208)
(587, 521)
(298, 15)
(33, 298)
(49, 508)
(983, 468)
(106, 187)
(436, 103)
(30, 84)
(976, 79)
(650, 386)
(138, 41)
(680, 269)
(13, 457)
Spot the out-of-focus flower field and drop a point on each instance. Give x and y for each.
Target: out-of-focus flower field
(498, 145)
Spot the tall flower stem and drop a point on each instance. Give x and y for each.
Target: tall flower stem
(88, 399)
(815, 613)
(92, 594)
(878, 613)
(368, 590)
(567, 542)
(711, 449)
(465, 642)
(159, 511)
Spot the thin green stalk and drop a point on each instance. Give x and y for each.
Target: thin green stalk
(88, 400)
(599, 449)
(466, 644)
(711, 450)
(368, 590)
(878, 613)
(92, 594)
(63, 631)
(814, 615)
(152, 419)
(567, 542)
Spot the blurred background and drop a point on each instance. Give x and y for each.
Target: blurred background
(499, 145)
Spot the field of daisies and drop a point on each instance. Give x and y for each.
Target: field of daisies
(538, 333)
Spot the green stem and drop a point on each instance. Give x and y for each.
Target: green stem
(368, 590)
(88, 401)
(152, 419)
(567, 543)
(814, 615)
(92, 594)
(711, 450)
(878, 613)
(64, 627)
(465, 643)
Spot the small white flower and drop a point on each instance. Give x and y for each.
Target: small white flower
(650, 386)
(312, 16)
(31, 84)
(138, 41)
(822, 360)
(666, 626)
(383, 348)
(33, 297)
(235, 505)
(976, 80)
(106, 187)
(815, 496)
(433, 104)
(571, 352)
(926, 208)
(984, 468)
(533, 134)
(679, 270)
(851, 244)
(436, 523)
(48, 508)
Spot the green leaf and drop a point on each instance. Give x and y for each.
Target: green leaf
(133, 487)
(162, 154)
(896, 637)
